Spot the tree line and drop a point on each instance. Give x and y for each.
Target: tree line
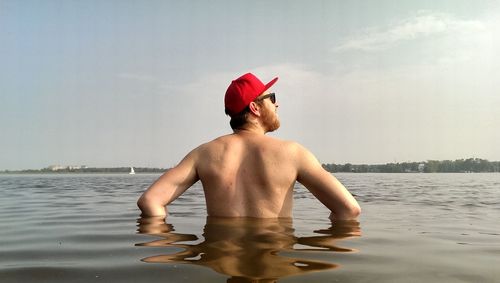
(475, 165)
(90, 170)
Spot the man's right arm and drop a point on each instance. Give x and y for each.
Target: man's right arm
(325, 187)
(168, 187)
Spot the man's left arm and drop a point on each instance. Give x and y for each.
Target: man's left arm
(325, 187)
(168, 187)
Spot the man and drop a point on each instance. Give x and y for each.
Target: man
(249, 174)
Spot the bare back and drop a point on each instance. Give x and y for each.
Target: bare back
(247, 175)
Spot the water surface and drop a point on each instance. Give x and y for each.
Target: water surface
(86, 228)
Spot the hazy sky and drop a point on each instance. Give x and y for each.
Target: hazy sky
(140, 83)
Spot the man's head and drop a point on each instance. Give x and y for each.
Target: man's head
(240, 95)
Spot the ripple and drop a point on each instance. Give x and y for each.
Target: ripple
(75, 227)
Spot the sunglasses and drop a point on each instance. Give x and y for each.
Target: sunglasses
(271, 96)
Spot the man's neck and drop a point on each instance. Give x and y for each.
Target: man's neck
(250, 130)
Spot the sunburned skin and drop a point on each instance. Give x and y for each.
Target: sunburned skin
(249, 174)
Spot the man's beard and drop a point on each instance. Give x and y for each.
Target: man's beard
(270, 120)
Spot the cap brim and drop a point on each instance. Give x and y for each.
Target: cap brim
(270, 84)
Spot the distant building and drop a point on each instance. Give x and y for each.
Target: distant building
(70, 167)
(75, 167)
(421, 167)
(57, 167)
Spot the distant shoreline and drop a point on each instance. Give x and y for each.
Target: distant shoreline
(145, 173)
(470, 165)
(103, 170)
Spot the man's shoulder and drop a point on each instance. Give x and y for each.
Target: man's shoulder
(288, 144)
(288, 148)
(218, 142)
(262, 141)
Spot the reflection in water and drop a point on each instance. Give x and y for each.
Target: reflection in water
(248, 249)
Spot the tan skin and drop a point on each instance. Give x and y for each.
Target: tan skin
(249, 174)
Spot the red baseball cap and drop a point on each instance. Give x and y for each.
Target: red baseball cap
(244, 90)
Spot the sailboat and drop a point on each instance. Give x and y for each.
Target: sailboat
(132, 171)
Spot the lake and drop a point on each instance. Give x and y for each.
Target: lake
(413, 228)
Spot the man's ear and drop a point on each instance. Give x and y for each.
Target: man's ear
(254, 108)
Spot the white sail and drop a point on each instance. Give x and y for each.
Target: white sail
(132, 170)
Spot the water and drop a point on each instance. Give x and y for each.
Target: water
(86, 228)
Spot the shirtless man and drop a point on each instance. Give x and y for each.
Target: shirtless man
(249, 174)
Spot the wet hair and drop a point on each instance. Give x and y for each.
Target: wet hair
(238, 120)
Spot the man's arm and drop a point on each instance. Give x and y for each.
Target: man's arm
(325, 187)
(168, 187)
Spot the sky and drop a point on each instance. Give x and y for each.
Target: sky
(141, 83)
